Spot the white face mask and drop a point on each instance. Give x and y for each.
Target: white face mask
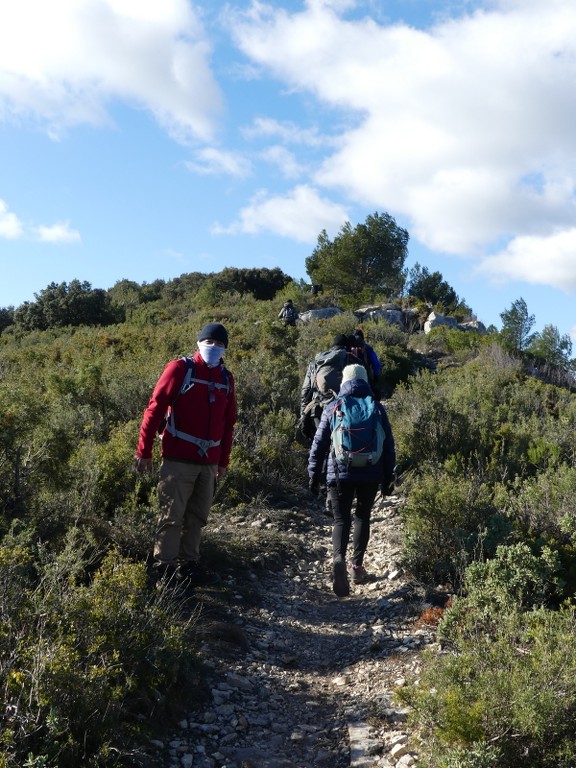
(211, 353)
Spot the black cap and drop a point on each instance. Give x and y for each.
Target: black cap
(214, 331)
(352, 341)
(341, 340)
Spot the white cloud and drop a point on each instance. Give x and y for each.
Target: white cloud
(10, 225)
(12, 228)
(467, 129)
(63, 62)
(58, 233)
(540, 260)
(212, 162)
(176, 256)
(283, 159)
(287, 131)
(299, 215)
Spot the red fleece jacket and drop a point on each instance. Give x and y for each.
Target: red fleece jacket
(203, 411)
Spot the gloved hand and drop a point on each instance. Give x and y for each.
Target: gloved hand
(388, 489)
(306, 426)
(314, 486)
(142, 465)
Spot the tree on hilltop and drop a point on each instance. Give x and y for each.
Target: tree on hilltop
(431, 288)
(363, 261)
(75, 303)
(262, 283)
(552, 347)
(516, 327)
(6, 317)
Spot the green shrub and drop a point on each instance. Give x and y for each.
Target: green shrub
(449, 521)
(461, 344)
(476, 755)
(87, 658)
(515, 579)
(543, 506)
(489, 414)
(513, 687)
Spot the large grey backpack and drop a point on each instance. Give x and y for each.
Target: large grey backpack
(328, 367)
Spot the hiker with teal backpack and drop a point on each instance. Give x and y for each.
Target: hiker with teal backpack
(193, 408)
(355, 437)
(322, 382)
(321, 385)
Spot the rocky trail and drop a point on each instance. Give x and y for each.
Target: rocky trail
(301, 678)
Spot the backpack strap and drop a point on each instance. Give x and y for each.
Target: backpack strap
(202, 445)
(189, 379)
(188, 382)
(334, 406)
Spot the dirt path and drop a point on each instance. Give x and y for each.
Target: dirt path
(303, 678)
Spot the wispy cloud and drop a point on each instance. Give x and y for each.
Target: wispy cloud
(300, 215)
(62, 63)
(215, 162)
(58, 233)
(540, 260)
(284, 160)
(10, 225)
(12, 228)
(287, 131)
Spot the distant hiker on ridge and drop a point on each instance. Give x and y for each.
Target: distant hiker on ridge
(288, 313)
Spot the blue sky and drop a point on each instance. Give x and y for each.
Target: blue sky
(143, 139)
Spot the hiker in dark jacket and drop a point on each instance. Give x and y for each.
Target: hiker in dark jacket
(347, 483)
(312, 401)
(288, 313)
(369, 358)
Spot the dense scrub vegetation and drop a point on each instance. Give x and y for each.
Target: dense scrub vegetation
(88, 653)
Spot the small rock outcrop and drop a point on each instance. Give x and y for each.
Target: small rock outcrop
(319, 314)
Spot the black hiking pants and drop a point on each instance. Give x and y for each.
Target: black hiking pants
(341, 498)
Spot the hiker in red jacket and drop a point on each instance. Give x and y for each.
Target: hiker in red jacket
(193, 407)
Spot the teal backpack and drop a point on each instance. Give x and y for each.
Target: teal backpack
(357, 431)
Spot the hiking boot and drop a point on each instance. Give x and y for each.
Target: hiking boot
(340, 579)
(358, 574)
(195, 575)
(164, 576)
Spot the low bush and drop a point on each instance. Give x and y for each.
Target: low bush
(83, 659)
(507, 695)
(449, 522)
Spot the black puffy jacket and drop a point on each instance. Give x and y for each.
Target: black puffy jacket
(383, 472)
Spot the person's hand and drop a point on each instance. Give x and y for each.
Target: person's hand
(142, 465)
(314, 486)
(220, 472)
